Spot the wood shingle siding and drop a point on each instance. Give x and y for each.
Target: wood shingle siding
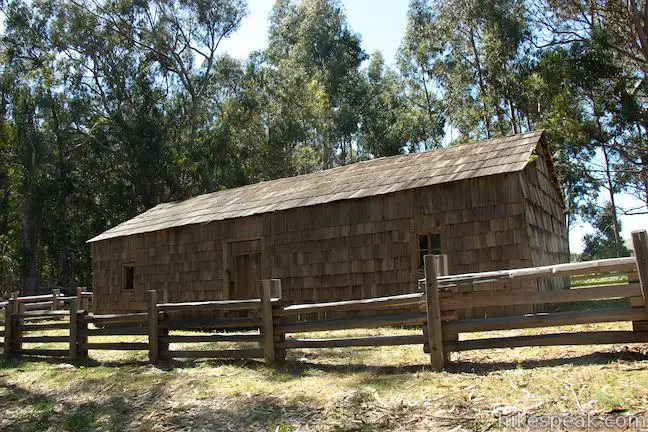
(346, 233)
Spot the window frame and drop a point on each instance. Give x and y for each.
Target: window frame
(127, 267)
(429, 243)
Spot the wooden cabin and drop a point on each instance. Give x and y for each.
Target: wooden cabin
(350, 232)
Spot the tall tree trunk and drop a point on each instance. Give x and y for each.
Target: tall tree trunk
(514, 125)
(615, 219)
(63, 273)
(480, 81)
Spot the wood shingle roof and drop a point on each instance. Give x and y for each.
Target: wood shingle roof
(362, 179)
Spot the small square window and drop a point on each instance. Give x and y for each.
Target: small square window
(128, 277)
(429, 244)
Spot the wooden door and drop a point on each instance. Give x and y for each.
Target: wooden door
(245, 263)
(246, 276)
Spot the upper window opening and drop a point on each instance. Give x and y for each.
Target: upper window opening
(128, 277)
(429, 244)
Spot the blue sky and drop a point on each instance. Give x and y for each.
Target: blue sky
(381, 25)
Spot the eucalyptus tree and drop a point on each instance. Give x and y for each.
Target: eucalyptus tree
(418, 59)
(469, 51)
(315, 52)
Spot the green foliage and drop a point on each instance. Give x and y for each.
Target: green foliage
(109, 108)
(603, 243)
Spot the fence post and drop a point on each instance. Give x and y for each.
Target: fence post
(85, 303)
(165, 295)
(74, 329)
(56, 293)
(449, 337)
(153, 327)
(640, 244)
(435, 336)
(8, 333)
(19, 308)
(82, 334)
(79, 297)
(266, 319)
(279, 337)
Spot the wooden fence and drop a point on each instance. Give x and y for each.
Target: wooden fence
(266, 327)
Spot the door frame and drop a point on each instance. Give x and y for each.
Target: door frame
(228, 260)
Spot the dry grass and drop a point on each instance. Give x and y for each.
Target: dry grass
(388, 388)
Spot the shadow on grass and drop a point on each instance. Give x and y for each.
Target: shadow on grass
(34, 411)
(594, 358)
(27, 410)
(294, 368)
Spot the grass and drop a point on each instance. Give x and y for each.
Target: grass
(344, 389)
(340, 389)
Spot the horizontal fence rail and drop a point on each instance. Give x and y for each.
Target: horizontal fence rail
(266, 327)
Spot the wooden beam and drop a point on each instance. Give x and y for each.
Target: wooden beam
(43, 339)
(46, 326)
(433, 310)
(216, 337)
(137, 317)
(267, 326)
(353, 342)
(153, 326)
(8, 330)
(546, 272)
(477, 299)
(583, 338)
(278, 321)
(56, 293)
(73, 329)
(116, 346)
(546, 320)
(354, 322)
(118, 331)
(222, 305)
(235, 354)
(42, 352)
(347, 305)
(640, 243)
(43, 313)
(240, 323)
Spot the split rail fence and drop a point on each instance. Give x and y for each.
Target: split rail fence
(267, 327)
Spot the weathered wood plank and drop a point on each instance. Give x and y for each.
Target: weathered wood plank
(43, 314)
(137, 317)
(74, 329)
(216, 337)
(353, 342)
(221, 305)
(116, 346)
(43, 339)
(46, 326)
(347, 305)
(212, 323)
(118, 331)
(153, 326)
(584, 338)
(545, 272)
(640, 243)
(235, 354)
(267, 327)
(546, 320)
(41, 352)
(351, 323)
(433, 313)
(462, 301)
(8, 330)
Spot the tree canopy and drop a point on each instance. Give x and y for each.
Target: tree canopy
(108, 108)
